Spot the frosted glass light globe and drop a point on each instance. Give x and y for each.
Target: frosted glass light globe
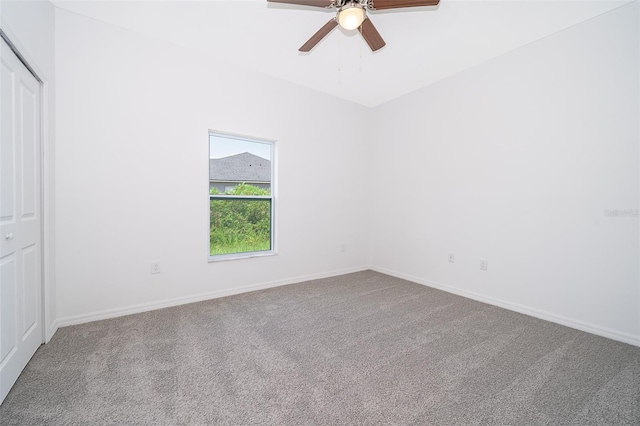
(351, 17)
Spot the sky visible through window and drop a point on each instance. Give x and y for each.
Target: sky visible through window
(221, 146)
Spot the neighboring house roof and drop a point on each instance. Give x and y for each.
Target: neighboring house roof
(243, 167)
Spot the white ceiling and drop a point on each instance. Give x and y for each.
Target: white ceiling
(424, 44)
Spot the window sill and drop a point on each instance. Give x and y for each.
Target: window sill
(237, 256)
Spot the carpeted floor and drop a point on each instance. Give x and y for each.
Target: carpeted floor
(360, 349)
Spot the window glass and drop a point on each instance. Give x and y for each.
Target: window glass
(241, 203)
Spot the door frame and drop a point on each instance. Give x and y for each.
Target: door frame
(46, 140)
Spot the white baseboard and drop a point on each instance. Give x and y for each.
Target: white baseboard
(167, 303)
(547, 316)
(144, 307)
(52, 330)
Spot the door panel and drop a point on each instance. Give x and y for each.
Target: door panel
(20, 220)
(28, 145)
(30, 286)
(8, 304)
(7, 149)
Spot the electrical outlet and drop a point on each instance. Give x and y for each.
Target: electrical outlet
(452, 257)
(155, 267)
(483, 265)
(343, 247)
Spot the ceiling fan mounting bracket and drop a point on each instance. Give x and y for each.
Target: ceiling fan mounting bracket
(342, 3)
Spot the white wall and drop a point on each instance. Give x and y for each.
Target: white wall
(30, 25)
(515, 161)
(132, 172)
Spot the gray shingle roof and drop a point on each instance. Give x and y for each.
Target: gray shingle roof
(243, 167)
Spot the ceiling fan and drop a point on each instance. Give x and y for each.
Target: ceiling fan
(352, 14)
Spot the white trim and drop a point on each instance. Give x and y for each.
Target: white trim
(547, 316)
(272, 196)
(238, 256)
(47, 188)
(150, 306)
(52, 330)
(15, 40)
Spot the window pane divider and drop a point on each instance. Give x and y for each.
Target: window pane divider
(239, 197)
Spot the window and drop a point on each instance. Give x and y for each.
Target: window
(241, 201)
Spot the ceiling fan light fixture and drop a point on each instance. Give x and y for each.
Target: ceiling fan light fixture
(351, 17)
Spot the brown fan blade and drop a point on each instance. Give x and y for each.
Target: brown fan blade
(396, 4)
(371, 35)
(314, 3)
(322, 33)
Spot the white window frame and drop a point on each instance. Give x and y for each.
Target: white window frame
(272, 197)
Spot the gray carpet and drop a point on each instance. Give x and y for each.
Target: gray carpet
(363, 349)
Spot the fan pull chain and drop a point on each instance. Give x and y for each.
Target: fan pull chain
(339, 61)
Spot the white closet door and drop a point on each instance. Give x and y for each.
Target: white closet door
(20, 218)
